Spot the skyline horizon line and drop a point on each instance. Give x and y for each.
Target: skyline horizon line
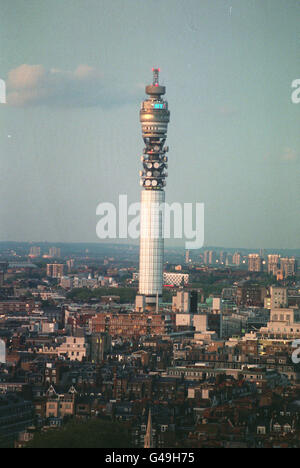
(136, 244)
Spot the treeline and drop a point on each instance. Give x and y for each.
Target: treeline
(127, 295)
(96, 433)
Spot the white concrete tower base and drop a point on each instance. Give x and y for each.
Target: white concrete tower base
(151, 246)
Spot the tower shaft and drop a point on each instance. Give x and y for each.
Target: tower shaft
(154, 117)
(151, 245)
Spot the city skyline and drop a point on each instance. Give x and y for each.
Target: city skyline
(69, 127)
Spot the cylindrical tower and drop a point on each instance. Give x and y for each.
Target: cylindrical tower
(154, 117)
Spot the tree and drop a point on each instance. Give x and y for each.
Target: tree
(96, 433)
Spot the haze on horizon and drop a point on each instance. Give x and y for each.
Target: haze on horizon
(70, 136)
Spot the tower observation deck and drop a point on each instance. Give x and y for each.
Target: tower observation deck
(154, 118)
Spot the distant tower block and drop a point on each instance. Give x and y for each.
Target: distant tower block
(154, 118)
(2, 352)
(187, 256)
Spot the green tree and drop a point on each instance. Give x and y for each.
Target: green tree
(96, 433)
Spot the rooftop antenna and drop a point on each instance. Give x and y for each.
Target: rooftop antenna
(156, 76)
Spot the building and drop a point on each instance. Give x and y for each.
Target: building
(34, 252)
(59, 406)
(205, 257)
(251, 295)
(70, 264)
(16, 415)
(2, 352)
(200, 323)
(254, 263)
(237, 259)
(52, 373)
(187, 257)
(176, 279)
(263, 378)
(17, 306)
(184, 321)
(66, 282)
(294, 297)
(74, 348)
(99, 346)
(223, 257)
(54, 252)
(154, 117)
(210, 257)
(194, 302)
(279, 297)
(273, 264)
(217, 305)
(232, 324)
(134, 324)
(55, 270)
(3, 270)
(284, 325)
(181, 302)
(68, 347)
(288, 267)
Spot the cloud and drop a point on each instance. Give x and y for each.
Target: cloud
(34, 85)
(289, 155)
(26, 76)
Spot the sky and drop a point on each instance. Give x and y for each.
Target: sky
(70, 136)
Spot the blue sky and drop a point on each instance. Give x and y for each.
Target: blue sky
(70, 135)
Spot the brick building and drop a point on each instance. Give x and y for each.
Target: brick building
(132, 324)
